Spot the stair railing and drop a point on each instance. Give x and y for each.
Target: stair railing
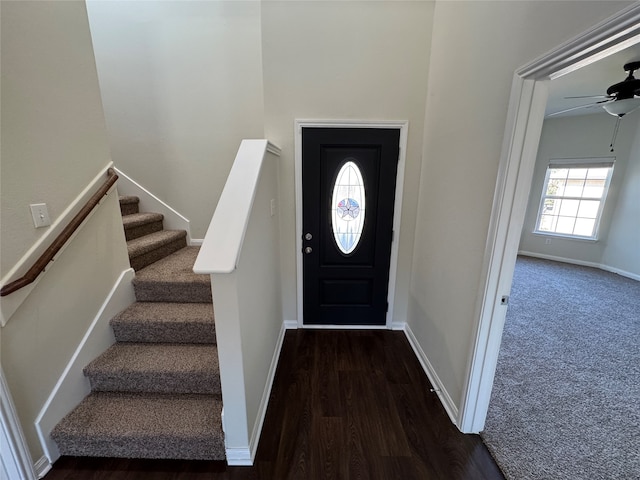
(49, 254)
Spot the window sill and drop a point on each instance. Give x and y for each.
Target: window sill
(566, 237)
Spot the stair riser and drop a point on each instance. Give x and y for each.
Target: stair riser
(143, 382)
(144, 332)
(138, 231)
(172, 292)
(129, 208)
(141, 261)
(162, 447)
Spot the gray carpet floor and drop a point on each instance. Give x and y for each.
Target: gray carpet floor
(566, 397)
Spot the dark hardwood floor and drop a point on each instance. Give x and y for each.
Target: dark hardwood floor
(344, 405)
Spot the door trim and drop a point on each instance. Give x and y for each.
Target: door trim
(525, 116)
(403, 126)
(18, 462)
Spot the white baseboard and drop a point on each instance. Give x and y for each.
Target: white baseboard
(264, 403)
(398, 326)
(72, 386)
(290, 324)
(440, 390)
(624, 273)
(150, 203)
(601, 266)
(196, 242)
(345, 327)
(239, 457)
(42, 466)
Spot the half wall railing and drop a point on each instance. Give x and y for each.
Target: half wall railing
(241, 253)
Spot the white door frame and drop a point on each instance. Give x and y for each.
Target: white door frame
(529, 94)
(16, 460)
(401, 125)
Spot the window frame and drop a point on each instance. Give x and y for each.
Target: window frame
(575, 163)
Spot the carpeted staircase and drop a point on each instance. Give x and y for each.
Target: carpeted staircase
(156, 392)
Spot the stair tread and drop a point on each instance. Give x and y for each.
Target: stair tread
(175, 268)
(153, 241)
(133, 425)
(142, 218)
(152, 358)
(154, 367)
(165, 322)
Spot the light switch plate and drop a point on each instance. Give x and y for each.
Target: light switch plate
(40, 215)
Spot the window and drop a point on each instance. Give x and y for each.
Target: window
(573, 197)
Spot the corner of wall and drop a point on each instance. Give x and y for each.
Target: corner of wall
(438, 387)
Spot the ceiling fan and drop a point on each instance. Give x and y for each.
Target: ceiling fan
(621, 98)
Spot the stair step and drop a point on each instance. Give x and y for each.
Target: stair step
(146, 250)
(172, 280)
(161, 322)
(156, 368)
(129, 425)
(129, 204)
(138, 225)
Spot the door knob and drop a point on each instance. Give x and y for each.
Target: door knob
(308, 250)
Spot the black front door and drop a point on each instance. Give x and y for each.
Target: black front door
(348, 192)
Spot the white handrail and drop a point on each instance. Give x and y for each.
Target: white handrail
(222, 243)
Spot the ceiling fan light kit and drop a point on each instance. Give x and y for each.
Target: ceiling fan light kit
(621, 107)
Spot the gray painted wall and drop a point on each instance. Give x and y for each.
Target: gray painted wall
(587, 136)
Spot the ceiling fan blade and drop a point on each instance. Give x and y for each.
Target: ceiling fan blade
(577, 108)
(592, 96)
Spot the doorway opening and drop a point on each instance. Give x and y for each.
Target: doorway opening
(524, 123)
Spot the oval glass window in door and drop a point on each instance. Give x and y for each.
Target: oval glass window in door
(348, 207)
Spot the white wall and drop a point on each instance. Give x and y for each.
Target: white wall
(345, 60)
(181, 83)
(476, 47)
(54, 143)
(622, 250)
(575, 137)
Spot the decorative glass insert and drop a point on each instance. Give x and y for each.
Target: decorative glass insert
(348, 207)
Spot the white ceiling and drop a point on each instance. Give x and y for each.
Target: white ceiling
(593, 79)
